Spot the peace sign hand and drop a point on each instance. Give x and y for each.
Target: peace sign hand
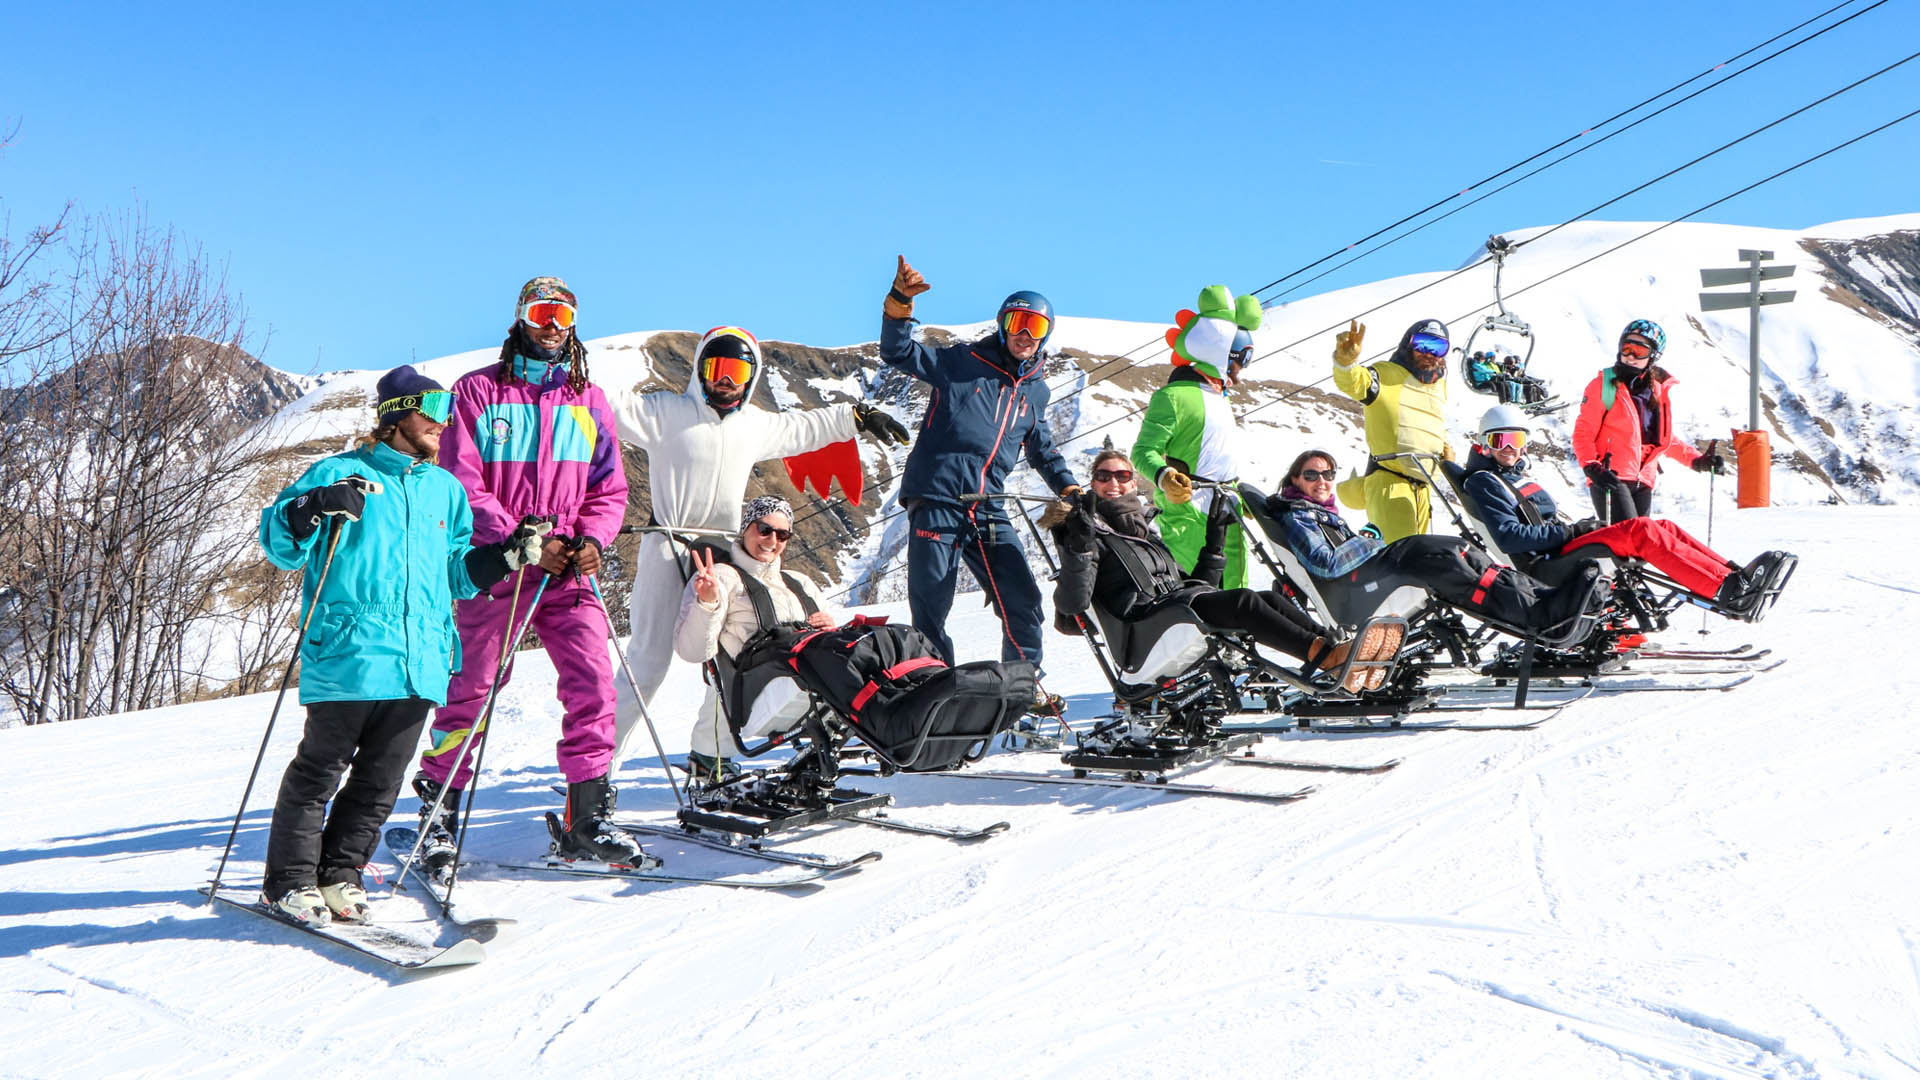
(706, 584)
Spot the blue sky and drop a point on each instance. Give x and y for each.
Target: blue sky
(379, 180)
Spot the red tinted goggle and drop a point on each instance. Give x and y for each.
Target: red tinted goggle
(1503, 440)
(732, 370)
(1032, 322)
(1636, 348)
(548, 313)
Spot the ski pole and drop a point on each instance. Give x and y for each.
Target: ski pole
(1711, 477)
(333, 545)
(614, 637)
(477, 734)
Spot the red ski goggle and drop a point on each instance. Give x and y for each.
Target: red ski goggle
(1636, 348)
(548, 313)
(731, 370)
(1506, 440)
(1030, 322)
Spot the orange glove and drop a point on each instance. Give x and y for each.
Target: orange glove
(1346, 347)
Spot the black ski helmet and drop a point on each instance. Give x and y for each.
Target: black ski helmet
(1024, 300)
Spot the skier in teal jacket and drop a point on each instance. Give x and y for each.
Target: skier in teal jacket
(389, 531)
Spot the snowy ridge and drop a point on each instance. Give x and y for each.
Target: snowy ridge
(1649, 885)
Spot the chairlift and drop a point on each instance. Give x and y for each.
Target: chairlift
(1495, 365)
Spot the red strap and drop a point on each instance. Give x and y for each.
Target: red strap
(1486, 579)
(894, 672)
(793, 654)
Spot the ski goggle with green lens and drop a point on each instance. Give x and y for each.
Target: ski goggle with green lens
(435, 405)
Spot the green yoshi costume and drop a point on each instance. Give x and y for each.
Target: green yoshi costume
(1189, 429)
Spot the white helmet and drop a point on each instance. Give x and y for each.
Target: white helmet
(1503, 418)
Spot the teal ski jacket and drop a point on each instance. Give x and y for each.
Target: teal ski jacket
(384, 626)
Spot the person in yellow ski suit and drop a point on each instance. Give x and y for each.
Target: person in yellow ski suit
(1405, 400)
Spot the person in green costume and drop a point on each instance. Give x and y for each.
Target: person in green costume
(1189, 429)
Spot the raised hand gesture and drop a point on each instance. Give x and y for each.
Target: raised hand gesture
(908, 280)
(1346, 346)
(706, 584)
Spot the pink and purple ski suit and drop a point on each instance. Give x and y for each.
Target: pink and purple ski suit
(521, 450)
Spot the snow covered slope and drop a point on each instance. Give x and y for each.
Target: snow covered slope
(1650, 885)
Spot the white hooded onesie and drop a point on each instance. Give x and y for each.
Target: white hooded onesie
(698, 464)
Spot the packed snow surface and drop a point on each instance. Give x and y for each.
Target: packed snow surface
(1703, 884)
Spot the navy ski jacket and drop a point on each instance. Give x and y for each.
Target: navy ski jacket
(1496, 495)
(985, 410)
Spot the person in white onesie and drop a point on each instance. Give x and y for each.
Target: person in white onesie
(702, 444)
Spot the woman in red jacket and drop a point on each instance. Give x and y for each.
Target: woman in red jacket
(1626, 427)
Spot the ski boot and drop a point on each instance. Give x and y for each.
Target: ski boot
(438, 849)
(303, 905)
(589, 832)
(346, 902)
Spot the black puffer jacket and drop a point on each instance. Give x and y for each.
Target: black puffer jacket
(1110, 552)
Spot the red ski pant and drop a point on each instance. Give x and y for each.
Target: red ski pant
(573, 627)
(1671, 550)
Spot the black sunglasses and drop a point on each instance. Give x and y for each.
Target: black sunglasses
(782, 535)
(1316, 474)
(1108, 475)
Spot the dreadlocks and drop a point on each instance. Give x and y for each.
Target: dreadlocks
(573, 352)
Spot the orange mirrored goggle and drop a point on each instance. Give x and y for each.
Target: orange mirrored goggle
(1506, 440)
(732, 370)
(1032, 322)
(548, 313)
(1636, 348)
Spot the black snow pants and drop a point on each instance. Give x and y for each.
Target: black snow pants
(377, 739)
(1463, 575)
(1272, 619)
(1620, 500)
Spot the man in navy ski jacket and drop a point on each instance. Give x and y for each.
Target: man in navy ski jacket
(988, 406)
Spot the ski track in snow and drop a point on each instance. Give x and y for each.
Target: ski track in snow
(1704, 884)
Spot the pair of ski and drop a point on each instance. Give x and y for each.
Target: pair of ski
(387, 942)
(1162, 784)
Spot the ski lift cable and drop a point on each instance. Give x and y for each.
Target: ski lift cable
(1589, 130)
(1556, 161)
(1535, 172)
(1697, 211)
(1101, 372)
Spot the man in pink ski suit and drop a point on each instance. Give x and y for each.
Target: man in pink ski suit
(530, 436)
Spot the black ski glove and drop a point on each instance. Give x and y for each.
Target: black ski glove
(1076, 532)
(345, 497)
(1598, 475)
(1713, 459)
(488, 564)
(1582, 527)
(878, 424)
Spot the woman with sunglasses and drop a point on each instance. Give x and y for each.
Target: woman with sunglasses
(1447, 566)
(1109, 526)
(987, 408)
(378, 647)
(1405, 405)
(1625, 427)
(532, 436)
(1525, 524)
(718, 613)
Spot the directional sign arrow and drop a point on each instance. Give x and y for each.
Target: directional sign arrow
(1741, 275)
(1729, 301)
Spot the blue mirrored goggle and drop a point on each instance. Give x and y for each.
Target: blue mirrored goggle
(435, 405)
(1429, 344)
